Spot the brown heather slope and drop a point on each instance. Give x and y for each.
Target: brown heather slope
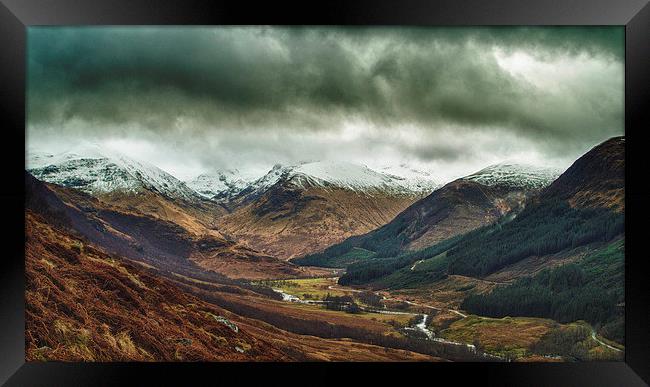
(457, 208)
(597, 179)
(152, 239)
(197, 217)
(289, 221)
(85, 305)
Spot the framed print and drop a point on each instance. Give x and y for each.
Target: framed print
(246, 191)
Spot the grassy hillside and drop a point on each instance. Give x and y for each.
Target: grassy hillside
(82, 304)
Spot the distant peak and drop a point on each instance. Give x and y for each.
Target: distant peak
(347, 175)
(95, 170)
(517, 175)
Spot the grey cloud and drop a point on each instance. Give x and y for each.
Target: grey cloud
(189, 84)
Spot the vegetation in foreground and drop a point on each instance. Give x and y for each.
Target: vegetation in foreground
(84, 305)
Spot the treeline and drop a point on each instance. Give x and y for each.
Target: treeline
(591, 290)
(341, 303)
(384, 242)
(540, 229)
(367, 271)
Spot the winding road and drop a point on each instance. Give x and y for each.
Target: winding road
(457, 312)
(416, 263)
(593, 336)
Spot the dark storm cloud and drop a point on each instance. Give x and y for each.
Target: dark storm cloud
(180, 82)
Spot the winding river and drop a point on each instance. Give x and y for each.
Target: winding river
(420, 326)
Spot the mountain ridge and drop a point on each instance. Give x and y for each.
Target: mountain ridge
(596, 179)
(98, 171)
(147, 238)
(549, 224)
(456, 208)
(231, 186)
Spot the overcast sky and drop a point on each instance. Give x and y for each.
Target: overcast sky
(446, 100)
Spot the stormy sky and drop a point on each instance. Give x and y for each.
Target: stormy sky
(446, 100)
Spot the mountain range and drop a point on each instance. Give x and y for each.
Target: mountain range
(295, 210)
(456, 208)
(559, 255)
(290, 211)
(544, 220)
(141, 211)
(508, 240)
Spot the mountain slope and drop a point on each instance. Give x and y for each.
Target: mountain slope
(590, 289)
(458, 207)
(596, 180)
(296, 210)
(124, 182)
(83, 304)
(584, 205)
(550, 223)
(150, 239)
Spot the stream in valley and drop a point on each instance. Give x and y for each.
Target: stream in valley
(420, 326)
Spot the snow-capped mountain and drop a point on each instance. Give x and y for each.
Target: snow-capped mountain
(515, 175)
(353, 177)
(300, 209)
(226, 185)
(97, 171)
(458, 207)
(220, 185)
(414, 179)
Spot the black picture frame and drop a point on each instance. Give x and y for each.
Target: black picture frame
(17, 15)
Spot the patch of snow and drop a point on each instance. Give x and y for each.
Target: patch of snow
(515, 175)
(414, 179)
(345, 175)
(222, 184)
(90, 168)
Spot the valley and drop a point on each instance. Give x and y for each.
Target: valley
(334, 193)
(325, 262)
(505, 339)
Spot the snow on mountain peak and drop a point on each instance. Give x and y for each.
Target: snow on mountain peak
(94, 170)
(345, 175)
(220, 184)
(515, 175)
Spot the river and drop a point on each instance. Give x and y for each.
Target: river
(420, 326)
